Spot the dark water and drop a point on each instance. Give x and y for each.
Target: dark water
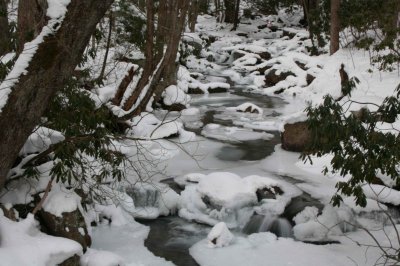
(171, 237)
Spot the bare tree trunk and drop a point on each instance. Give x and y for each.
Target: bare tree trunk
(164, 67)
(31, 19)
(230, 11)
(236, 20)
(103, 67)
(52, 64)
(193, 13)
(335, 26)
(4, 32)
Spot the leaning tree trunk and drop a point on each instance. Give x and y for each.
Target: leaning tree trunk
(50, 67)
(163, 66)
(335, 26)
(230, 11)
(31, 19)
(4, 32)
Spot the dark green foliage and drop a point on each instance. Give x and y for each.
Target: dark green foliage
(359, 149)
(87, 150)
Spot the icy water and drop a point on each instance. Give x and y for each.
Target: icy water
(171, 237)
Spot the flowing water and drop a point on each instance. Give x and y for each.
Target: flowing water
(171, 237)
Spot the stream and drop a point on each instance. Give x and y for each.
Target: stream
(171, 237)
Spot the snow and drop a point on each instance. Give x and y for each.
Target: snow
(147, 126)
(61, 200)
(23, 244)
(232, 134)
(219, 236)
(266, 249)
(224, 196)
(248, 107)
(127, 242)
(94, 257)
(174, 95)
(40, 140)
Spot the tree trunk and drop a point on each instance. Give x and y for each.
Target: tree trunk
(193, 13)
(236, 20)
(50, 67)
(31, 19)
(335, 26)
(163, 67)
(4, 32)
(230, 11)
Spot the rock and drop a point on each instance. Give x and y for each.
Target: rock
(309, 78)
(177, 107)
(262, 70)
(268, 193)
(296, 137)
(265, 55)
(219, 236)
(217, 90)
(236, 54)
(271, 78)
(9, 212)
(210, 58)
(301, 65)
(195, 91)
(207, 201)
(242, 34)
(73, 261)
(71, 225)
(289, 34)
(279, 91)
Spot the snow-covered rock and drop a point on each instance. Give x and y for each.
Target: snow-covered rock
(219, 236)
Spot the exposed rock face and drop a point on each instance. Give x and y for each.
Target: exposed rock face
(73, 261)
(296, 137)
(309, 78)
(272, 78)
(195, 91)
(8, 212)
(177, 107)
(268, 193)
(249, 109)
(71, 225)
(217, 90)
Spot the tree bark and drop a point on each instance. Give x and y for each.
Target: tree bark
(163, 67)
(31, 19)
(4, 26)
(229, 11)
(193, 13)
(51, 66)
(335, 26)
(236, 19)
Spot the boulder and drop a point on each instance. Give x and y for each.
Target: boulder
(73, 261)
(217, 90)
(272, 78)
(268, 193)
(309, 78)
(195, 91)
(9, 212)
(177, 107)
(296, 137)
(70, 225)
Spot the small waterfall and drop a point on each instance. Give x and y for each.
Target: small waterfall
(277, 225)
